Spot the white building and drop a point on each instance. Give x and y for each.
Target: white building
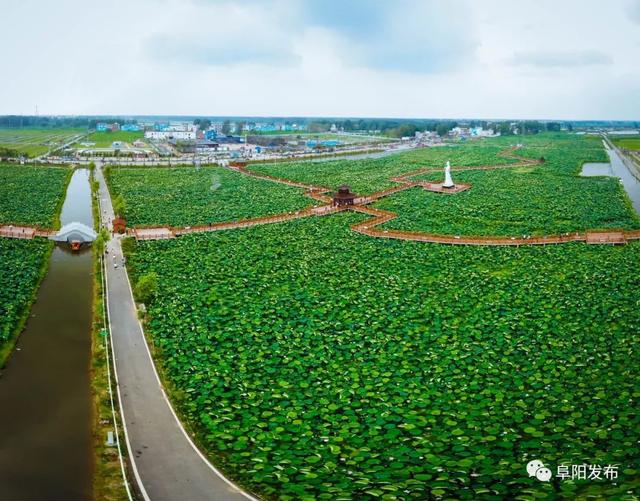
(480, 132)
(163, 135)
(217, 126)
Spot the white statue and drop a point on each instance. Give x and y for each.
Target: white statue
(448, 182)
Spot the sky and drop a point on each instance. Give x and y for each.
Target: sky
(545, 59)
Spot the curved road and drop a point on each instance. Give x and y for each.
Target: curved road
(166, 463)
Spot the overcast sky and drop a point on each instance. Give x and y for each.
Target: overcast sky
(573, 59)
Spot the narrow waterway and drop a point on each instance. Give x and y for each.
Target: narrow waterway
(616, 168)
(45, 396)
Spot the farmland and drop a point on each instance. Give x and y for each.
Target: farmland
(22, 268)
(628, 143)
(190, 196)
(320, 363)
(105, 139)
(34, 142)
(31, 195)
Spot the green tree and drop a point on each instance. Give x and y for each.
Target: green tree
(101, 240)
(315, 127)
(119, 206)
(226, 127)
(531, 127)
(442, 129)
(504, 129)
(146, 287)
(128, 246)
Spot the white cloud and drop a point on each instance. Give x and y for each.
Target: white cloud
(560, 59)
(634, 11)
(409, 58)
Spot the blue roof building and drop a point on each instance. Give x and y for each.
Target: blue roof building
(328, 143)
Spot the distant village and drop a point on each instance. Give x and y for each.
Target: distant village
(218, 140)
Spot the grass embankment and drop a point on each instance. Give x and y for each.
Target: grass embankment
(108, 482)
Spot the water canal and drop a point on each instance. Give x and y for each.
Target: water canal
(616, 168)
(45, 395)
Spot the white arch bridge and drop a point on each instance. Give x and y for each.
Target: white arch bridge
(75, 234)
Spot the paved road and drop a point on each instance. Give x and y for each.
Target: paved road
(166, 463)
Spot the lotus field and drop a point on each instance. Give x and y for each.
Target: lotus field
(32, 195)
(22, 265)
(314, 362)
(513, 202)
(189, 196)
(317, 363)
(369, 175)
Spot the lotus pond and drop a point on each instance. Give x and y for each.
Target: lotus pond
(188, 196)
(23, 264)
(317, 363)
(512, 203)
(369, 175)
(32, 195)
(536, 200)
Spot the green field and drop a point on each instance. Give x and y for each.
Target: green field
(628, 143)
(314, 362)
(317, 363)
(32, 195)
(189, 196)
(366, 176)
(548, 199)
(22, 268)
(105, 139)
(369, 175)
(34, 142)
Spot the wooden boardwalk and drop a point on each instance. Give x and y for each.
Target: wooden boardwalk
(379, 216)
(24, 232)
(369, 227)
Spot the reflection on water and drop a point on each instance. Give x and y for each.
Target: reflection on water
(596, 169)
(45, 398)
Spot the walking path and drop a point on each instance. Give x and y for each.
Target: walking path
(405, 181)
(166, 463)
